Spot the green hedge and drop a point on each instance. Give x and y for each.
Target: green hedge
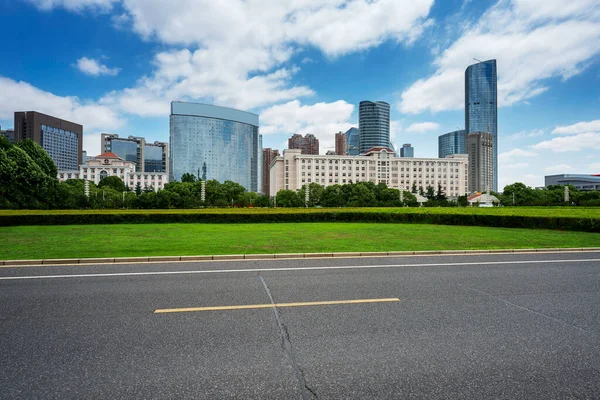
(499, 221)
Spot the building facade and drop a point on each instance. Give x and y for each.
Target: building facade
(109, 164)
(480, 148)
(452, 143)
(340, 144)
(149, 157)
(373, 125)
(9, 134)
(293, 169)
(216, 143)
(582, 182)
(352, 142)
(62, 140)
(481, 105)
(268, 155)
(309, 144)
(407, 150)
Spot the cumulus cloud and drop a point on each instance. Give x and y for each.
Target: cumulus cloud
(559, 168)
(421, 127)
(581, 141)
(517, 33)
(74, 5)
(527, 134)
(580, 127)
(92, 67)
(510, 155)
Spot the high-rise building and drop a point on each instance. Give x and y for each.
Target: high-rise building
(62, 140)
(9, 134)
(452, 143)
(352, 142)
(480, 148)
(407, 151)
(373, 125)
(216, 143)
(481, 105)
(148, 157)
(309, 144)
(268, 155)
(340, 144)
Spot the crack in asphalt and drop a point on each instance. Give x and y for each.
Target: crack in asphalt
(286, 344)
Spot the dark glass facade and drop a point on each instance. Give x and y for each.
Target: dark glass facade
(481, 104)
(216, 143)
(407, 151)
(128, 150)
(452, 143)
(154, 159)
(373, 125)
(352, 142)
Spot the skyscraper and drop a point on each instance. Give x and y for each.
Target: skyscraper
(452, 143)
(268, 155)
(407, 150)
(216, 143)
(481, 105)
(62, 140)
(373, 125)
(352, 142)
(480, 146)
(340, 144)
(309, 144)
(148, 157)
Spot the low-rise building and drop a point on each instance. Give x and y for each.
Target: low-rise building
(580, 181)
(379, 164)
(109, 164)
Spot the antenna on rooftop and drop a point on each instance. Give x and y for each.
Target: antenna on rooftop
(477, 60)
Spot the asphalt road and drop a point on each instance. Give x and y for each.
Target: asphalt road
(483, 326)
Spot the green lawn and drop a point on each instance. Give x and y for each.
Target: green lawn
(81, 241)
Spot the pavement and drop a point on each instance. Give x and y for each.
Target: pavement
(448, 326)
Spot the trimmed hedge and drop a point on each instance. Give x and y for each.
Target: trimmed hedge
(498, 221)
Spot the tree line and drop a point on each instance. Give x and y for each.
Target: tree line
(28, 180)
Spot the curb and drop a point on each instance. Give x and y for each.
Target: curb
(141, 260)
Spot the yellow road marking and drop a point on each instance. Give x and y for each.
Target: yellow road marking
(255, 306)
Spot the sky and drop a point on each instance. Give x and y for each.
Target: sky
(304, 65)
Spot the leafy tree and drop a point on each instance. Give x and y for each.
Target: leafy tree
(187, 177)
(113, 182)
(39, 156)
(289, 198)
(440, 196)
(138, 189)
(414, 188)
(361, 196)
(334, 196)
(463, 201)
(430, 193)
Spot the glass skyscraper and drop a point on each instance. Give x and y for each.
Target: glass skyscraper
(215, 143)
(452, 143)
(407, 150)
(481, 105)
(352, 142)
(373, 125)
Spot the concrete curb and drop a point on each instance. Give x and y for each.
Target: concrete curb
(221, 257)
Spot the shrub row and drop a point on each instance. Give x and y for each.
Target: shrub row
(500, 221)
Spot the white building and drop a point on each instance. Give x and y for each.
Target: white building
(379, 164)
(109, 164)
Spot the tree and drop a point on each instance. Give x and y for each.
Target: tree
(39, 156)
(334, 196)
(414, 188)
(113, 182)
(138, 189)
(187, 177)
(440, 196)
(289, 198)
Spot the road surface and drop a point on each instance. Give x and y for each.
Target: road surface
(476, 326)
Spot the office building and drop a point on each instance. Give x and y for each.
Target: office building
(109, 164)
(293, 169)
(340, 144)
(9, 134)
(452, 143)
(215, 143)
(148, 157)
(309, 144)
(352, 142)
(373, 125)
(268, 155)
(407, 151)
(480, 148)
(481, 105)
(62, 140)
(582, 182)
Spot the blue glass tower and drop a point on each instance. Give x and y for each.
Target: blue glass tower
(481, 104)
(373, 125)
(452, 143)
(216, 143)
(352, 142)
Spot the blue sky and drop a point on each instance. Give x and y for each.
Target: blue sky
(304, 65)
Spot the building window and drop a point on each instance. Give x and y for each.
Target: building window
(103, 174)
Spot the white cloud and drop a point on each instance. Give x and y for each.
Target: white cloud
(92, 67)
(559, 168)
(74, 5)
(579, 142)
(527, 134)
(520, 165)
(580, 127)
(532, 41)
(510, 155)
(421, 127)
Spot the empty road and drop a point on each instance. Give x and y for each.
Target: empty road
(467, 326)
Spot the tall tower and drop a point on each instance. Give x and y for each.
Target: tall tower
(340, 144)
(480, 147)
(373, 125)
(481, 105)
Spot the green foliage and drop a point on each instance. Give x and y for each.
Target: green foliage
(138, 189)
(289, 198)
(39, 156)
(188, 178)
(113, 182)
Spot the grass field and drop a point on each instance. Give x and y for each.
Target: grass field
(580, 212)
(77, 241)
